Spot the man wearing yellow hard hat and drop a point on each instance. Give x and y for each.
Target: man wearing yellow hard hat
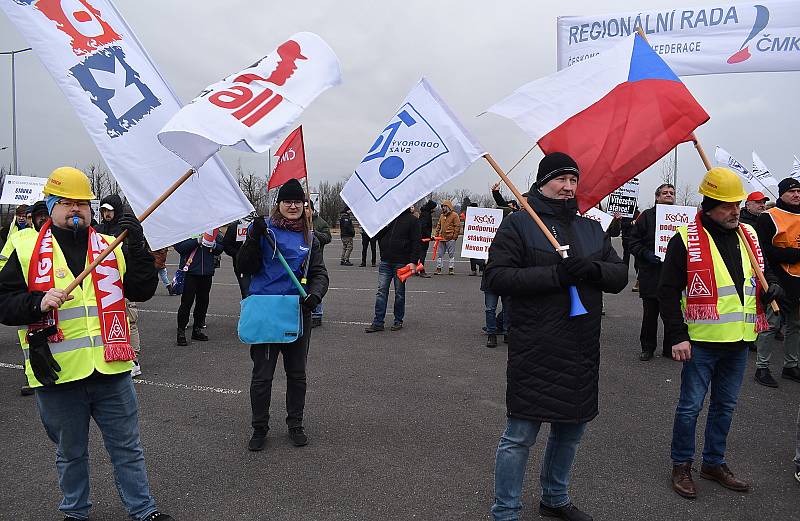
(712, 305)
(77, 346)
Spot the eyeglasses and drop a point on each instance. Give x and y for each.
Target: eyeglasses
(69, 204)
(294, 203)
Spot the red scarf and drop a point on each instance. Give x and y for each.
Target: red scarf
(701, 285)
(107, 288)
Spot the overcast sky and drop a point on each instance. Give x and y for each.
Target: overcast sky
(473, 52)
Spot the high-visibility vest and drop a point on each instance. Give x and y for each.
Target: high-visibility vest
(736, 321)
(81, 351)
(787, 235)
(8, 247)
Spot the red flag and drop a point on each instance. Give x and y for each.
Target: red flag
(291, 160)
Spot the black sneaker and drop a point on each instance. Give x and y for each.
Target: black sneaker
(373, 329)
(182, 338)
(645, 356)
(158, 516)
(362, 265)
(491, 340)
(791, 373)
(298, 436)
(569, 512)
(258, 440)
(197, 334)
(764, 377)
(397, 326)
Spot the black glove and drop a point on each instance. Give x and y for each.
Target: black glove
(311, 302)
(565, 278)
(774, 292)
(258, 228)
(131, 224)
(651, 257)
(41, 359)
(581, 268)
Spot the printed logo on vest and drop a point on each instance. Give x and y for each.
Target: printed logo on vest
(113, 323)
(699, 285)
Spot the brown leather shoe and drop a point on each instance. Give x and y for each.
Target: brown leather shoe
(682, 482)
(723, 475)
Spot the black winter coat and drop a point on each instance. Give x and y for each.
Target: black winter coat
(642, 245)
(111, 227)
(426, 218)
(400, 241)
(553, 359)
(748, 218)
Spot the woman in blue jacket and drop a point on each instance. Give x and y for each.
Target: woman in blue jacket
(287, 226)
(200, 253)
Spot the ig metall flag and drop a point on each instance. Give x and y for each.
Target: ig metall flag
(423, 146)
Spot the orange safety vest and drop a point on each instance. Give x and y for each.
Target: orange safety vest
(787, 235)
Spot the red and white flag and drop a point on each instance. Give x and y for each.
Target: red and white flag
(291, 160)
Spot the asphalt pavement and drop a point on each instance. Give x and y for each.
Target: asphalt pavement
(402, 425)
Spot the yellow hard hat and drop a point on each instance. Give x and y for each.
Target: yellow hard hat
(723, 185)
(69, 182)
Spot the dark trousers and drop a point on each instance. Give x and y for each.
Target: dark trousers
(244, 283)
(265, 358)
(367, 244)
(649, 333)
(423, 252)
(474, 264)
(196, 291)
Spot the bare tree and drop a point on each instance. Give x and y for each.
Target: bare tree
(668, 167)
(254, 189)
(330, 202)
(102, 182)
(686, 195)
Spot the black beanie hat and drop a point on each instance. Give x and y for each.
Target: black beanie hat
(787, 184)
(291, 191)
(554, 165)
(709, 204)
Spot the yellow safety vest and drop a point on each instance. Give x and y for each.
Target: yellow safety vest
(81, 351)
(8, 247)
(736, 320)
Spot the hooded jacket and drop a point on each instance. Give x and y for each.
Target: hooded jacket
(449, 226)
(111, 227)
(553, 359)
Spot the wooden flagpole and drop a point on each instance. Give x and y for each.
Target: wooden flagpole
(309, 218)
(121, 237)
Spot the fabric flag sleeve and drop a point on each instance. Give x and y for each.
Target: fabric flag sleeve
(423, 146)
(615, 114)
(795, 173)
(123, 101)
(291, 160)
(249, 110)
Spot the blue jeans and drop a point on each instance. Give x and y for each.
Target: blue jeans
(512, 458)
(722, 370)
(317, 313)
(164, 276)
(490, 302)
(112, 402)
(387, 272)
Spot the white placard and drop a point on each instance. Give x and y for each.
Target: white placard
(600, 216)
(22, 189)
(668, 218)
(315, 200)
(95, 203)
(241, 228)
(480, 227)
(624, 199)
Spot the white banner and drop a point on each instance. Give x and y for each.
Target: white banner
(795, 168)
(123, 101)
(624, 199)
(600, 216)
(480, 227)
(668, 218)
(22, 189)
(712, 39)
(759, 182)
(762, 173)
(249, 110)
(241, 228)
(423, 146)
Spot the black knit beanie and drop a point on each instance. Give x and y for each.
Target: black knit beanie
(709, 204)
(787, 184)
(291, 191)
(554, 165)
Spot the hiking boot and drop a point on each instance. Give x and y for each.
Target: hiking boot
(491, 340)
(316, 322)
(682, 482)
(438, 271)
(373, 329)
(182, 338)
(298, 436)
(197, 334)
(397, 326)
(723, 475)
(764, 377)
(158, 516)
(258, 440)
(451, 271)
(645, 356)
(791, 373)
(569, 512)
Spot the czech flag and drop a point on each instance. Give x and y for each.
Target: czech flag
(615, 114)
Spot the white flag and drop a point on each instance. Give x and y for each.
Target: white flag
(795, 168)
(423, 146)
(762, 173)
(724, 158)
(123, 101)
(249, 110)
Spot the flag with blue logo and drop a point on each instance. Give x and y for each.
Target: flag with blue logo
(423, 147)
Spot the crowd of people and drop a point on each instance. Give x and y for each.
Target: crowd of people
(707, 291)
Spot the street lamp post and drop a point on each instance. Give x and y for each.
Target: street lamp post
(14, 108)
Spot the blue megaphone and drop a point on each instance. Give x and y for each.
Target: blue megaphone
(576, 308)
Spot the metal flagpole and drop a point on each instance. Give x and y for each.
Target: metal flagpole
(14, 108)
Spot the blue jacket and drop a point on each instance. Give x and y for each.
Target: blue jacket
(272, 278)
(203, 260)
